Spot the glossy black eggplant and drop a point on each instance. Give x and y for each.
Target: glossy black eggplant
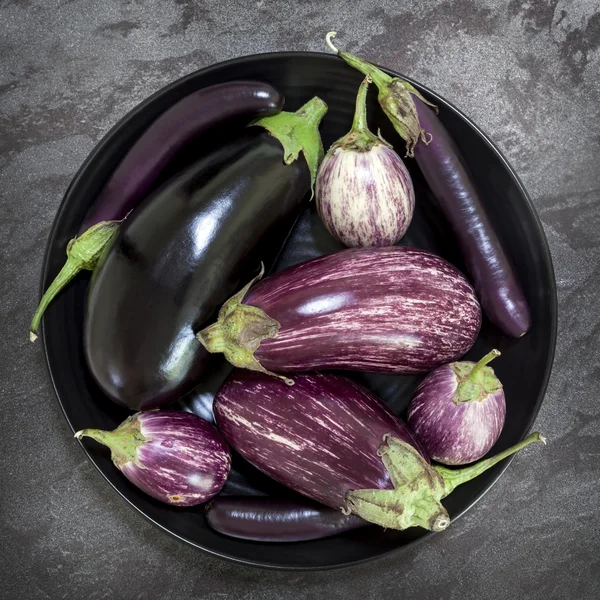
(187, 249)
(265, 519)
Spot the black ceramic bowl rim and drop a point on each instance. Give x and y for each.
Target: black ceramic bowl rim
(107, 140)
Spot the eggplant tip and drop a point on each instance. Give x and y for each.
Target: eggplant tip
(543, 439)
(442, 522)
(79, 434)
(328, 39)
(32, 336)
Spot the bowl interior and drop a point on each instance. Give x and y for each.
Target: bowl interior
(523, 368)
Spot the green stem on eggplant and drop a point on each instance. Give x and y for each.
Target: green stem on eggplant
(419, 487)
(394, 97)
(83, 253)
(299, 132)
(477, 381)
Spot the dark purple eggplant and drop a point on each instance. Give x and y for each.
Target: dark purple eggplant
(387, 310)
(263, 519)
(447, 175)
(137, 173)
(333, 441)
(458, 411)
(190, 246)
(173, 456)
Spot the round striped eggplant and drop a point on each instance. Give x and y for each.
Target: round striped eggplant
(264, 519)
(458, 411)
(364, 193)
(173, 456)
(332, 440)
(388, 310)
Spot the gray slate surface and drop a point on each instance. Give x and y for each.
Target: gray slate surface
(528, 72)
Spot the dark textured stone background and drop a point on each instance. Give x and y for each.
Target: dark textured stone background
(526, 71)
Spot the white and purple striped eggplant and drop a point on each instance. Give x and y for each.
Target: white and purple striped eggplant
(333, 441)
(458, 411)
(388, 310)
(173, 456)
(364, 193)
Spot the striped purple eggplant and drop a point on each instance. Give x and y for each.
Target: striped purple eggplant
(332, 440)
(364, 194)
(388, 310)
(173, 456)
(458, 411)
(265, 519)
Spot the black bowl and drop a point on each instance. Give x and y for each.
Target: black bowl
(524, 366)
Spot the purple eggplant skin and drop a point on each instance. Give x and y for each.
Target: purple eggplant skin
(189, 118)
(487, 263)
(173, 456)
(263, 519)
(138, 172)
(458, 411)
(389, 310)
(319, 437)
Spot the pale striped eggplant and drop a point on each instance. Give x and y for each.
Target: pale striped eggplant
(458, 411)
(364, 193)
(389, 310)
(173, 456)
(332, 440)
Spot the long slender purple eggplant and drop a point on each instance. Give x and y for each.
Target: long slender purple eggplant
(143, 164)
(263, 519)
(333, 441)
(364, 193)
(187, 249)
(173, 456)
(458, 411)
(448, 177)
(388, 310)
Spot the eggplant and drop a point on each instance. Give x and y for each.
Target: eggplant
(458, 411)
(388, 310)
(448, 176)
(173, 456)
(365, 195)
(187, 249)
(141, 167)
(263, 519)
(331, 440)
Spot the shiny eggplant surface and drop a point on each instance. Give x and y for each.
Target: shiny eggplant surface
(187, 249)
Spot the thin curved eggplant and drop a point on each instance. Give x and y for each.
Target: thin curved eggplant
(331, 440)
(447, 175)
(388, 310)
(187, 249)
(139, 170)
(263, 519)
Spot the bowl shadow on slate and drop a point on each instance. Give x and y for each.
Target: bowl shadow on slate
(524, 367)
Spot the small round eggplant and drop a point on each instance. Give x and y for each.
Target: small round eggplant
(365, 195)
(173, 456)
(458, 411)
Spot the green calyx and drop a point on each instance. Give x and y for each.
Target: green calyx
(395, 98)
(359, 138)
(419, 487)
(299, 132)
(123, 442)
(475, 381)
(83, 253)
(239, 330)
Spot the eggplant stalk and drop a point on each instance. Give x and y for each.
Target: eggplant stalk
(418, 487)
(394, 97)
(475, 381)
(83, 253)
